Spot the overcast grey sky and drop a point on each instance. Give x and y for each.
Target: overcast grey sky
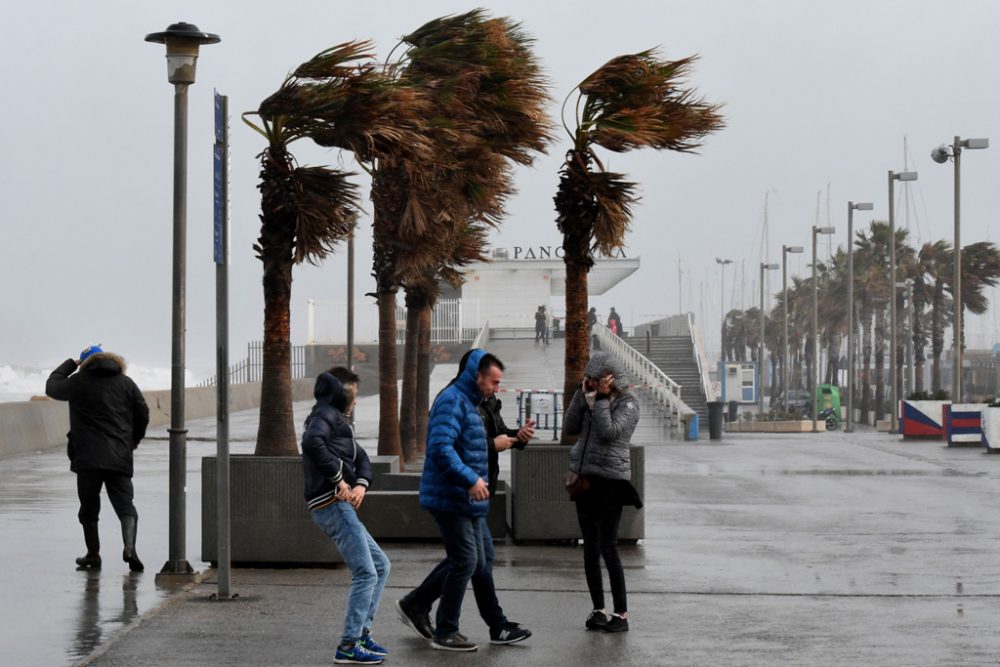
(815, 94)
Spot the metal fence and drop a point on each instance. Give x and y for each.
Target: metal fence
(249, 369)
(544, 407)
(452, 321)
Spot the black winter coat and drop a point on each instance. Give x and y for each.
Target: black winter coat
(493, 421)
(107, 413)
(329, 451)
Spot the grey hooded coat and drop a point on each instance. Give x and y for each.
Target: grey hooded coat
(605, 429)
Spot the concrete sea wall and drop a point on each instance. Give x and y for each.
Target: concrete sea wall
(34, 426)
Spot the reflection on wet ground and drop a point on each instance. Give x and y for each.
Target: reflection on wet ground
(93, 626)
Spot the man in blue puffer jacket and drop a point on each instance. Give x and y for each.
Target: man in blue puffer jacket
(454, 488)
(337, 475)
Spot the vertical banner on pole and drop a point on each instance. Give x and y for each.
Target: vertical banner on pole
(221, 256)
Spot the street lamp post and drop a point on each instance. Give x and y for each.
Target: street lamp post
(893, 333)
(722, 308)
(760, 353)
(941, 155)
(785, 249)
(814, 380)
(851, 207)
(182, 41)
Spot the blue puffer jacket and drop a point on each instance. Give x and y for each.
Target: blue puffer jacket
(456, 447)
(329, 451)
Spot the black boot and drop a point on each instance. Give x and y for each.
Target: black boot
(129, 526)
(91, 536)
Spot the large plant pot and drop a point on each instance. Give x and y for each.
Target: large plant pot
(782, 426)
(991, 430)
(922, 419)
(963, 424)
(541, 510)
(269, 522)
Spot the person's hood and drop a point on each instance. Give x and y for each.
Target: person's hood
(104, 363)
(601, 363)
(467, 380)
(330, 391)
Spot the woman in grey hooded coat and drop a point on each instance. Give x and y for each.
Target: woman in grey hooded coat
(604, 413)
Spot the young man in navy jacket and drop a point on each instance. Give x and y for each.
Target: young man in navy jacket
(337, 475)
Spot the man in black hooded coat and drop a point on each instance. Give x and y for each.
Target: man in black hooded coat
(107, 420)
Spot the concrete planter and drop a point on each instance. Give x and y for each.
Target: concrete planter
(991, 430)
(541, 510)
(922, 419)
(269, 522)
(788, 426)
(963, 424)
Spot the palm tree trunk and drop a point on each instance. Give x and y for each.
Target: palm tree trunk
(880, 343)
(577, 339)
(276, 427)
(408, 404)
(866, 359)
(423, 379)
(937, 334)
(388, 419)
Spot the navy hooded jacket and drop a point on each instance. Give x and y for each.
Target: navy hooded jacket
(456, 447)
(329, 451)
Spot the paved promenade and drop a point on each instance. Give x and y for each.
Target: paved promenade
(826, 549)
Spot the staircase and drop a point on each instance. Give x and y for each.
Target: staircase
(674, 355)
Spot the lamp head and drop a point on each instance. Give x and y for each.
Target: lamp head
(792, 248)
(940, 154)
(976, 143)
(905, 175)
(863, 206)
(770, 267)
(182, 41)
(825, 230)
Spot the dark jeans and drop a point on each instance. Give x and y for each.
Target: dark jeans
(120, 491)
(463, 544)
(424, 596)
(599, 512)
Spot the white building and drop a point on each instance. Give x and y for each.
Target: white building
(509, 289)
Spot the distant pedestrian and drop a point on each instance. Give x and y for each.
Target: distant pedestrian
(455, 491)
(615, 323)
(108, 417)
(548, 323)
(337, 476)
(604, 414)
(591, 319)
(540, 325)
(414, 608)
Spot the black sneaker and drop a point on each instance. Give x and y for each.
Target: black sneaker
(457, 642)
(509, 633)
(597, 620)
(616, 624)
(419, 623)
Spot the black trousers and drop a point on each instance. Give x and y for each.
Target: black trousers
(120, 492)
(599, 512)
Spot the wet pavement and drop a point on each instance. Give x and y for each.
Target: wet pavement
(809, 549)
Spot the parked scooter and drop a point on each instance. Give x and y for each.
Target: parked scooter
(831, 418)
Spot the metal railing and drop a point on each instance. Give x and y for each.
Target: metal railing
(452, 321)
(249, 369)
(544, 407)
(699, 355)
(650, 379)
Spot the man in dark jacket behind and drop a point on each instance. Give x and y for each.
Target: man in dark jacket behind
(107, 421)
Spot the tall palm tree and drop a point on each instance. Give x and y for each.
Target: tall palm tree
(632, 101)
(980, 269)
(336, 98)
(489, 97)
(872, 292)
(924, 278)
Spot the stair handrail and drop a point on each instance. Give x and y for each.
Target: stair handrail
(647, 375)
(699, 355)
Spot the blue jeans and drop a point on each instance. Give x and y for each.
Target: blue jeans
(369, 565)
(424, 596)
(463, 545)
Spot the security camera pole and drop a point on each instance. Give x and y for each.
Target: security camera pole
(940, 155)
